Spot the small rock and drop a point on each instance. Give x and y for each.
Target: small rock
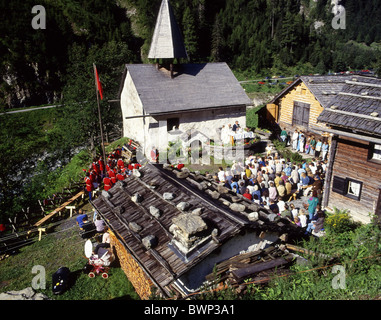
(137, 198)
(149, 241)
(222, 189)
(154, 211)
(197, 211)
(254, 216)
(106, 194)
(254, 207)
(136, 173)
(168, 196)
(236, 199)
(214, 194)
(182, 174)
(135, 227)
(183, 206)
(237, 207)
(118, 210)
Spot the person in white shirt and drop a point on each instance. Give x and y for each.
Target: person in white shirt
(294, 139)
(221, 175)
(303, 218)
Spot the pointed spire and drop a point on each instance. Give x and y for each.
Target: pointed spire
(167, 41)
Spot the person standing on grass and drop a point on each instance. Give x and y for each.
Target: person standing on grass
(312, 145)
(284, 135)
(295, 138)
(89, 185)
(312, 202)
(324, 150)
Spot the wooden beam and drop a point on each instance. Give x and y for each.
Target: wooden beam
(59, 209)
(328, 178)
(363, 84)
(348, 134)
(242, 273)
(353, 114)
(358, 95)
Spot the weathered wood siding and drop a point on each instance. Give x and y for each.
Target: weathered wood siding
(351, 161)
(134, 273)
(299, 93)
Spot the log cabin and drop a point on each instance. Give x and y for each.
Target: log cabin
(159, 101)
(353, 118)
(170, 227)
(299, 105)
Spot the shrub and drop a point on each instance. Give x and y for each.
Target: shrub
(340, 221)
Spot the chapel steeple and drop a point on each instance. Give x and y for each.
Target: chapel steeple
(167, 41)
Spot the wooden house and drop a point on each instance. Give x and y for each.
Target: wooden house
(299, 105)
(170, 227)
(159, 101)
(353, 118)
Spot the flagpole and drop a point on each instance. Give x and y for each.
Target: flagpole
(99, 115)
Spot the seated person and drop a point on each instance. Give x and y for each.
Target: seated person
(82, 219)
(86, 227)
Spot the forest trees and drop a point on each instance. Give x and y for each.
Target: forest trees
(255, 34)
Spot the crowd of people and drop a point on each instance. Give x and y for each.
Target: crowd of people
(276, 184)
(299, 142)
(270, 181)
(106, 175)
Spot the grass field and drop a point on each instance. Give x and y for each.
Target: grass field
(62, 246)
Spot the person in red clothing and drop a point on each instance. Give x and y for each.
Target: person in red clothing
(118, 151)
(112, 176)
(137, 166)
(154, 155)
(120, 176)
(95, 166)
(120, 163)
(89, 185)
(107, 183)
(180, 166)
(130, 166)
(248, 195)
(101, 165)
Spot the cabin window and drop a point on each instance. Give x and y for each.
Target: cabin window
(347, 187)
(173, 124)
(354, 189)
(376, 152)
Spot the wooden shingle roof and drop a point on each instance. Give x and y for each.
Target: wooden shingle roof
(356, 107)
(322, 87)
(163, 263)
(194, 87)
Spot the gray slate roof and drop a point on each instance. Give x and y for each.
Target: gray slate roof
(357, 106)
(322, 87)
(194, 86)
(167, 41)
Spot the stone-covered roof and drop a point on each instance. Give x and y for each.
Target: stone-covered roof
(167, 41)
(171, 220)
(194, 87)
(322, 87)
(357, 106)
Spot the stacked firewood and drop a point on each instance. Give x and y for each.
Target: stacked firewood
(134, 273)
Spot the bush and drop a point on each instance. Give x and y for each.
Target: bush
(340, 221)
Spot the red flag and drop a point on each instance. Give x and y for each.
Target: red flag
(98, 83)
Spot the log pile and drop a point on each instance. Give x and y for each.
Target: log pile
(256, 265)
(132, 270)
